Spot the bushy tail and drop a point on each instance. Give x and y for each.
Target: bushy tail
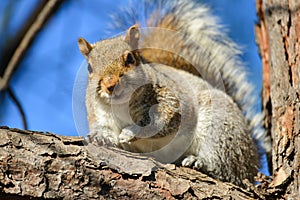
(189, 37)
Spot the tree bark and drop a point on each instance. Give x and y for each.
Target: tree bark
(48, 166)
(279, 41)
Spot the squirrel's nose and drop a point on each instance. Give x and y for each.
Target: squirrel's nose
(108, 84)
(111, 88)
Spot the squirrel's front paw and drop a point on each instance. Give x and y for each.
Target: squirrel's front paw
(127, 135)
(99, 139)
(192, 161)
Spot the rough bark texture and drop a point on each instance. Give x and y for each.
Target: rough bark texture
(279, 41)
(39, 165)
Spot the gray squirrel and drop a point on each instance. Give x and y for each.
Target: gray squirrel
(176, 91)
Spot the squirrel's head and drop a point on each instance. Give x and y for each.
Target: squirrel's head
(110, 59)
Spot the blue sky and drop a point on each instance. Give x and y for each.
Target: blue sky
(45, 79)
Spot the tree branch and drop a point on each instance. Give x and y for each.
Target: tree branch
(19, 106)
(29, 36)
(13, 41)
(34, 164)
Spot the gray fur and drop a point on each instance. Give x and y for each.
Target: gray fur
(214, 55)
(205, 121)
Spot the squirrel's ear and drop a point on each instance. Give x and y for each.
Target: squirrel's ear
(132, 36)
(84, 47)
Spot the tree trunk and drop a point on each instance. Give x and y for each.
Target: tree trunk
(279, 41)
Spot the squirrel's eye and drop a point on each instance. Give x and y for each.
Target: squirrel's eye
(90, 69)
(130, 60)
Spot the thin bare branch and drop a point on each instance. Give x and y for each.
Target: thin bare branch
(19, 106)
(13, 41)
(42, 18)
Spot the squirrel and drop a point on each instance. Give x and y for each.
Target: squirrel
(177, 91)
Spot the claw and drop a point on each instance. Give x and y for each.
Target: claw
(126, 136)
